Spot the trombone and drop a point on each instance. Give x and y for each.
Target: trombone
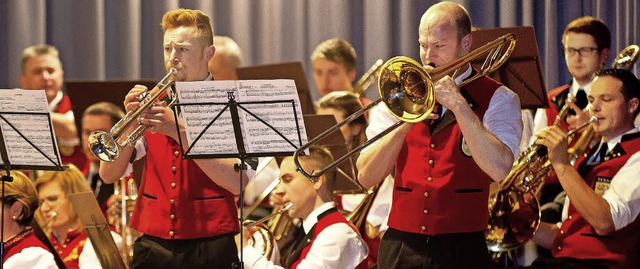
(407, 90)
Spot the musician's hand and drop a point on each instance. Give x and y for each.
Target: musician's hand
(580, 118)
(131, 100)
(448, 95)
(160, 119)
(112, 208)
(555, 140)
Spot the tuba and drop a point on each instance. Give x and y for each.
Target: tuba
(514, 211)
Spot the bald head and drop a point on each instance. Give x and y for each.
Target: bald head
(227, 59)
(450, 14)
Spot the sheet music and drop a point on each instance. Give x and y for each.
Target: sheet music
(197, 111)
(33, 122)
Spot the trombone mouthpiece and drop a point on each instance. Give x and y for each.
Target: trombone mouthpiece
(287, 207)
(53, 214)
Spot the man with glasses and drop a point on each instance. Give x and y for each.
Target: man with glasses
(586, 42)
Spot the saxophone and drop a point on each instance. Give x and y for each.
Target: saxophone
(514, 211)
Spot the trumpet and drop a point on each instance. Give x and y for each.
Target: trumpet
(106, 146)
(407, 90)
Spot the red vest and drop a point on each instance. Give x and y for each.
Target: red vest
(324, 222)
(555, 106)
(577, 239)
(71, 248)
(17, 243)
(177, 200)
(72, 155)
(437, 188)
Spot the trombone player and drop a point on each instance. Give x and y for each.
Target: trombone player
(600, 226)
(439, 209)
(186, 212)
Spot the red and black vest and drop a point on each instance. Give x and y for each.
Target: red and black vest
(577, 239)
(332, 216)
(438, 187)
(177, 200)
(20, 241)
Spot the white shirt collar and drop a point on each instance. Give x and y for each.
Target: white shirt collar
(575, 87)
(312, 219)
(614, 141)
(56, 100)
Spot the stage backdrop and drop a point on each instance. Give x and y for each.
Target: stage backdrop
(122, 39)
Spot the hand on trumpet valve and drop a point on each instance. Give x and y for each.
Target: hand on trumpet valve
(556, 141)
(133, 97)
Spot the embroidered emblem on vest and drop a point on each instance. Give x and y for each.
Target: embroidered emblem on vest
(464, 147)
(602, 185)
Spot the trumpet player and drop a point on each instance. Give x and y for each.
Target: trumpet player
(600, 226)
(586, 43)
(330, 240)
(186, 209)
(444, 166)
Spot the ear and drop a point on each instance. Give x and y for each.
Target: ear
(633, 104)
(16, 210)
(209, 51)
(319, 183)
(352, 75)
(466, 42)
(356, 130)
(22, 80)
(604, 55)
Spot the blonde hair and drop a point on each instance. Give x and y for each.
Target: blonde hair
(189, 18)
(71, 180)
(230, 51)
(21, 190)
(336, 50)
(37, 50)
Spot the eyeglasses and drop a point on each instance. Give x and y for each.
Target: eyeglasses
(585, 51)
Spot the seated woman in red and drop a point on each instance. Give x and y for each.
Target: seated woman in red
(22, 248)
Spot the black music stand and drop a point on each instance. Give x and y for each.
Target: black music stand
(181, 110)
(522, 72)
(26, 138)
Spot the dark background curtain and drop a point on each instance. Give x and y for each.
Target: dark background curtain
(122, 39)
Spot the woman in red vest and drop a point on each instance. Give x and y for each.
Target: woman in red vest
(22, 249)
(63, 226)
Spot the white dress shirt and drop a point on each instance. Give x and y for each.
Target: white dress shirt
(623, 194)
(337, 246)
(31, 257)
(503, 117)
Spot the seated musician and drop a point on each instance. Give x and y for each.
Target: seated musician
(600, 226)
(62, 223)
(330, 240)
(343, 104)
(22, 249)
(41, 68)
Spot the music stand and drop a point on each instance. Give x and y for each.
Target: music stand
(26, 137)
(291, 70)
(250, 127)
(522, 72)
(93, 221)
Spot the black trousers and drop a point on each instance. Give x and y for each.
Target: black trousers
(211, 252)
(447, 251)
